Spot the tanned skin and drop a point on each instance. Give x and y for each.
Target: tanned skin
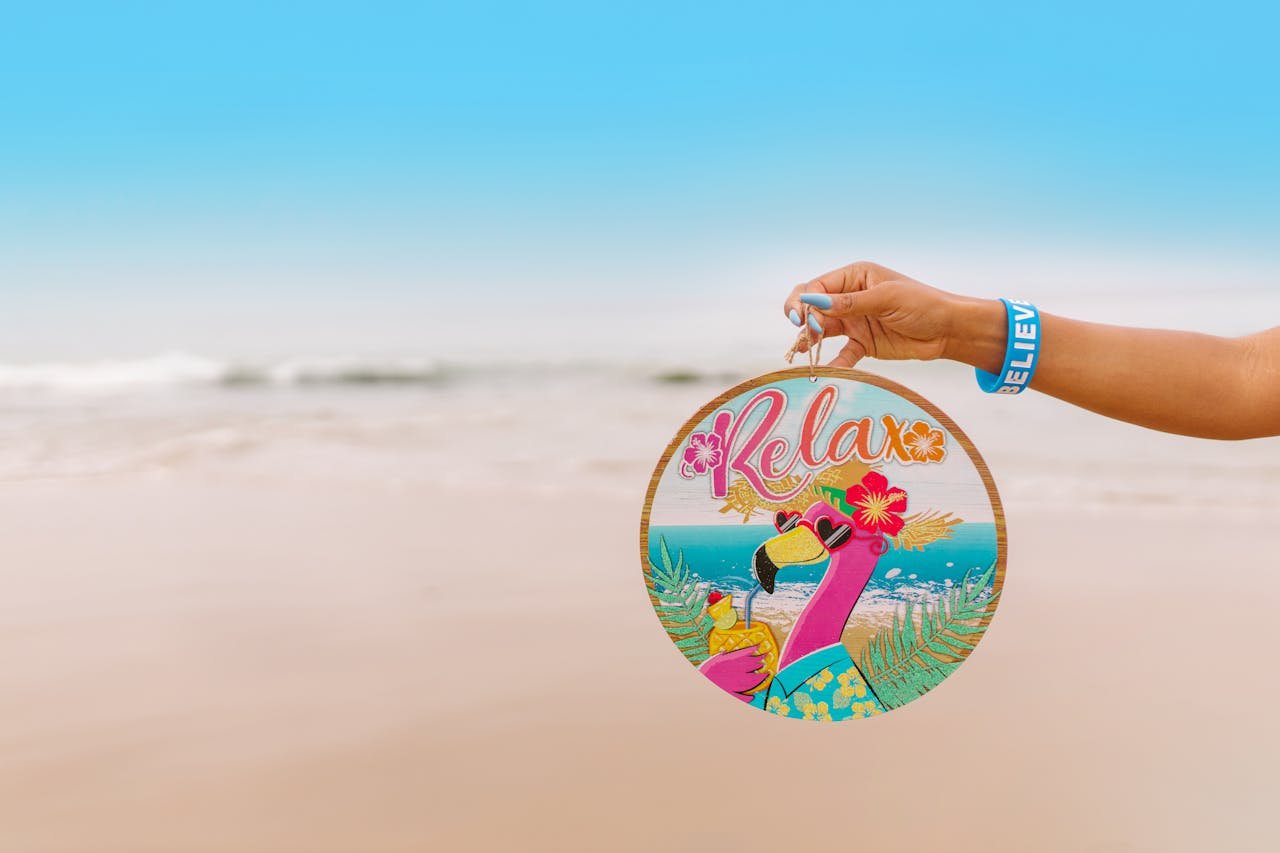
(1178, 382)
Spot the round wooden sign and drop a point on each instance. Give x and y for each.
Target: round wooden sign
(823, 544)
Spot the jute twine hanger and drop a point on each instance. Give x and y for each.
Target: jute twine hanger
(814, 350)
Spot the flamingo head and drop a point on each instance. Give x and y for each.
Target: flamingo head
(804, 539)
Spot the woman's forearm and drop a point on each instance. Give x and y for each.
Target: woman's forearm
(1182, 382)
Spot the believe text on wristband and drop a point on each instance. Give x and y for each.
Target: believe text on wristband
(1021, 353)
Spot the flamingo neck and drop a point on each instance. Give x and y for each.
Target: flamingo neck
(822, 621)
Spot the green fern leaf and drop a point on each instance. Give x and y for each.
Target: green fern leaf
(678, 599)
(689, 644)
(913, 655)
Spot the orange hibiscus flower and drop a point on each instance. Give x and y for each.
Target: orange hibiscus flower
(924, 443)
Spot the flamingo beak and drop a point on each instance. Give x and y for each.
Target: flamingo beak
(797, 547)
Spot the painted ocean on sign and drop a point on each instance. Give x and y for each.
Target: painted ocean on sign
(721, 555)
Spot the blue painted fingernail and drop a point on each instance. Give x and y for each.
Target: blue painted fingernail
(795, 317)
(815, 324)
(817, 300)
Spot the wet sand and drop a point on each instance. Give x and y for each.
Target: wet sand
(212, 662)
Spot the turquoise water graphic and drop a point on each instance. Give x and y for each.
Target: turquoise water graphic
(722, 555)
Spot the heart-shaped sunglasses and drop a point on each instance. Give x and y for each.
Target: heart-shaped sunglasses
(833, 536)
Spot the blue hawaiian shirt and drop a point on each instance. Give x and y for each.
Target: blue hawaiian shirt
(822, 685)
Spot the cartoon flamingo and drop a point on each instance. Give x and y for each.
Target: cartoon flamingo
(813, 649)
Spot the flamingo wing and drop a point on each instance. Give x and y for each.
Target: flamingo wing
(736, 672)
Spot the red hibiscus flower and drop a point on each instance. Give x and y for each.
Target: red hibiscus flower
(877, 507)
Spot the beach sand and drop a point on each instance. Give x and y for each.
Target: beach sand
(331, 672)
(295, 643)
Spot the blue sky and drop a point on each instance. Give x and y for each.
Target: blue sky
(400, 152)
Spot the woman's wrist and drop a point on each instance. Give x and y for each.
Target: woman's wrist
(977, 333)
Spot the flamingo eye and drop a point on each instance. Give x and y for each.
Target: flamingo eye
(786, 521)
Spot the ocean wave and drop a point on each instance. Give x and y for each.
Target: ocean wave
(177, 370)
(340, 372)
(162, 370)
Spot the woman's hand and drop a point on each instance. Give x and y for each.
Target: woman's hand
(1179, 382)
(887, 315)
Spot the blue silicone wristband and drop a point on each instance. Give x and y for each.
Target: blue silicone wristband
(1021, 353)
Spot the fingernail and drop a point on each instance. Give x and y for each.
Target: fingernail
(795, 317)
(817, 300)
(814, 324)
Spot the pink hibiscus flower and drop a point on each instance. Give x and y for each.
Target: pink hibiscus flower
(702, 454)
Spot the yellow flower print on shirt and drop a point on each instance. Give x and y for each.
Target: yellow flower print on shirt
(818, 711)
(810, 709)
(863, 710)
(851, 684)
(824, 685)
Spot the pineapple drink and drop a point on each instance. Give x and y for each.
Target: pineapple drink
(729, 634)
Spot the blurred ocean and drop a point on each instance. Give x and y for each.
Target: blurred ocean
(552, 428)
(583, 407)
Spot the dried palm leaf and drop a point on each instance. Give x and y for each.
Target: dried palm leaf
(924, 528)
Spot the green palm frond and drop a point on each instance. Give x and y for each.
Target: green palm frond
(917, 652)
(679, 597)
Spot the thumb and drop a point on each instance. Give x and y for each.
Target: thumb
(856, 304)
(850, 354)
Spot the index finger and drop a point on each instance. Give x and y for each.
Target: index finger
(846, 279)
(794, 308)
